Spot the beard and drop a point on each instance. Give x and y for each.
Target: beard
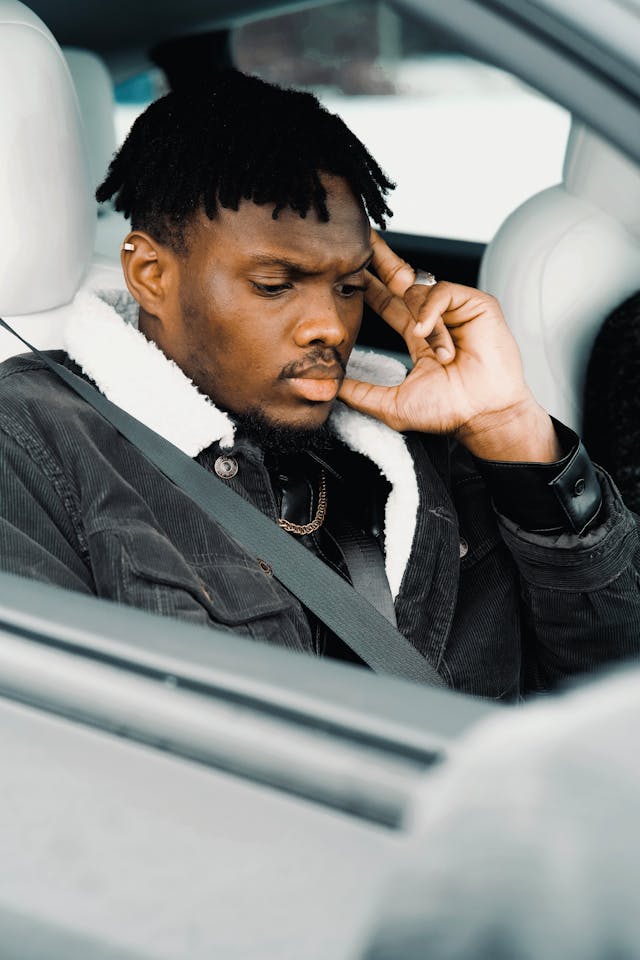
(273, 437)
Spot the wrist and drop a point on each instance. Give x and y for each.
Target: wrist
(523, 433)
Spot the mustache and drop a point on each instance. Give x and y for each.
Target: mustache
(327, 356)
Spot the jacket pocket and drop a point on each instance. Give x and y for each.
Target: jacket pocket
(140, 566)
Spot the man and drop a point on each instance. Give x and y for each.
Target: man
(509, 562)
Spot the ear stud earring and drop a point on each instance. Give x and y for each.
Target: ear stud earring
(127, 246)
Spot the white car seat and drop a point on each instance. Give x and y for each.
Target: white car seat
(562, 261)
(47, 212)
(95, 96)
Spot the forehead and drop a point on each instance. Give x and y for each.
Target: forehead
(251, 234)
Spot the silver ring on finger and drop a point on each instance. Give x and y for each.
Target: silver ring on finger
(424, 279)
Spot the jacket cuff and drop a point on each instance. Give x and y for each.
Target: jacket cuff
(566, 562)
(547, 497)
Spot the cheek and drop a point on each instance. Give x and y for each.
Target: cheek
(246, 349)
(352, 317)
(214, 318)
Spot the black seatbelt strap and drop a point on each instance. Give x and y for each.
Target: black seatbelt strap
(352, 618)
(365, 563)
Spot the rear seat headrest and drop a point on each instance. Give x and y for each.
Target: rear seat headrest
(597, 172)
(95, 96)
(47, 214)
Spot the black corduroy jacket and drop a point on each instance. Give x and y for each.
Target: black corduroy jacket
(509, 612)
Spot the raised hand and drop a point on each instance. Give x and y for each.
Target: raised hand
(467, 377)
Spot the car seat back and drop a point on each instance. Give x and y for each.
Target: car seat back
(47, 213)
(562, 261)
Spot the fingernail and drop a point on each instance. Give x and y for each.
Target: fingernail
(442, 354)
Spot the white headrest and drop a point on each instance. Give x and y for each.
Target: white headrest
(95, 97)
(46, 212)
(560, 264)
(596, 171)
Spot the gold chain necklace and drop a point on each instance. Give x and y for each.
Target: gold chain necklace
(317, 521)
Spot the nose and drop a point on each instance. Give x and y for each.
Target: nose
(321, 323)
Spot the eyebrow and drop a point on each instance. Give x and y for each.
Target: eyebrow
(295, 269)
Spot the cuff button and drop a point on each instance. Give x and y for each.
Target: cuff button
(464, 548)
(579, 487)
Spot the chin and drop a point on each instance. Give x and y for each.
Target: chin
(285, 436)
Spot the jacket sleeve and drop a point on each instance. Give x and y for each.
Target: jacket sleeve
(38, 536)
(577, 549)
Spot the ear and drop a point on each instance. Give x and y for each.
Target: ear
(150, 272)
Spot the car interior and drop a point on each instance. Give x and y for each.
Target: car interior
(559, 264)
(350, 748)
(563, 261)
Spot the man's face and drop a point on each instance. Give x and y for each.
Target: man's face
(268, 311)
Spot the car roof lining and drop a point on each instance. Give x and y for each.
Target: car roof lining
(127, 31)
(491, 29)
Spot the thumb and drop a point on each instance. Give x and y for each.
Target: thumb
(376, 401)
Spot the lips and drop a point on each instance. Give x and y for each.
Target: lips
(319, 382)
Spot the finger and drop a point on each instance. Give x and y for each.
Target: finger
(394, 272)
(392, 310)
(452, 302)
(376, 401)
(426, 308)
(441, 342)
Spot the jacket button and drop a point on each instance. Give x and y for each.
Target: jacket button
(226, 467)
(464, 547)
(578, 487)
(265, 567)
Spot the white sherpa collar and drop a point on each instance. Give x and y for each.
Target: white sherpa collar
(137, 376)
(134, 374)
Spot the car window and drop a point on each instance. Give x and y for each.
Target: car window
(465, 142)
(134, 95)
(486, 141)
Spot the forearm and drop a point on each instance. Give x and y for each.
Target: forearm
(579, 593)
(577, 550)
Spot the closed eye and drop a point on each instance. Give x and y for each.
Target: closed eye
(351, 289)
(271, 289)
(275, 289)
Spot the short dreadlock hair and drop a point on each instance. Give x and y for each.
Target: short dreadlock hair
(236, 138)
